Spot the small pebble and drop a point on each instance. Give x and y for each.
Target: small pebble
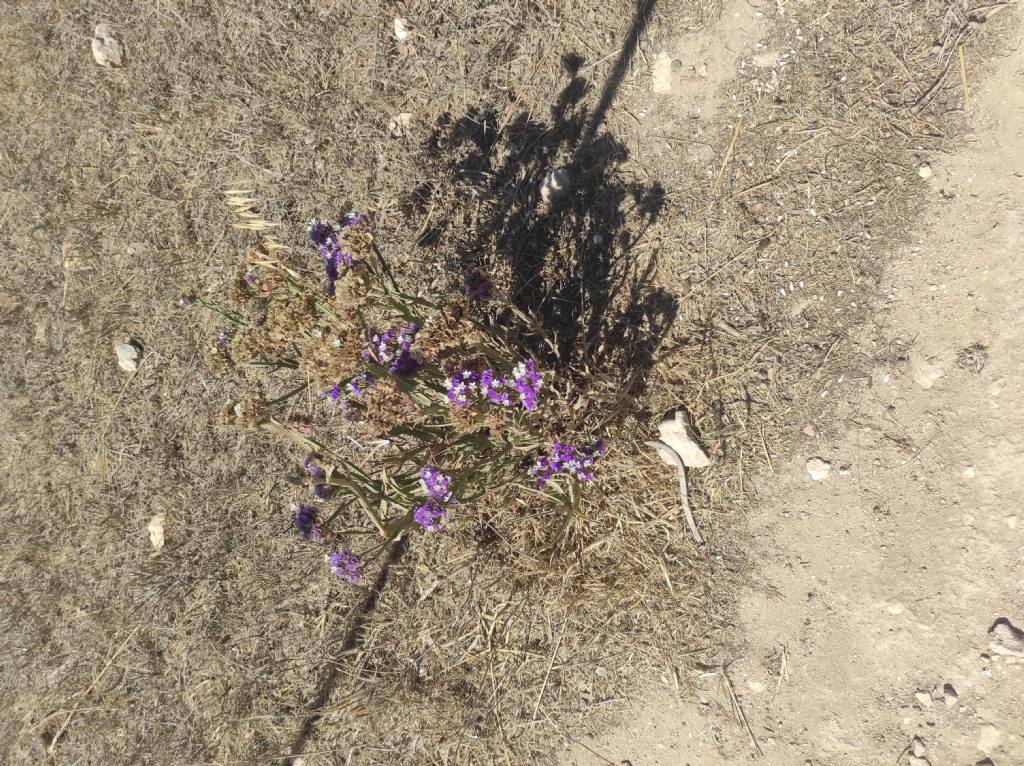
(949, 695)
(1006, 638)
(917, 760)
(818, 468)
(810, 430)
(917, 747)
(924, 170)
(924, 698)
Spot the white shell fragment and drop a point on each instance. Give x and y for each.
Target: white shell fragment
(105, 48)
(400, 125)
(156, 531)
(818, 468)
(403, 30)
(677, 433)
(129, 354)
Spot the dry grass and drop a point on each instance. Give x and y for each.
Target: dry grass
(478, 651)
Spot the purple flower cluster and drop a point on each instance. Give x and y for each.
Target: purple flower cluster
(525, 381)
(566, 458)
(430, 516)
(347, 566)
(328, 242)
(306, 522)
(460, 385)
(391, 349)
(438, 486)
(312, 467)
(359, 383)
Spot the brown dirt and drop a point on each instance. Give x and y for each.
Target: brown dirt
(873, 590)
(708, 269)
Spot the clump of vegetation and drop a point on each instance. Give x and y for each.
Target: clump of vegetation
(446, 413)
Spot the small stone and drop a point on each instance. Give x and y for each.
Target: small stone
(924, 170)
(105, 48)
(555, 186)
(917, 760)
(661, 73)
(925, 372)
(1006, 638)
(917, 747)
(756, 686)
(129, 353)
(403, 30)
(949, 695)
(400, 125)
(844, 470)
(702, 71)
(988, 738)
(818, 468)
(924, 698)
(809, 430)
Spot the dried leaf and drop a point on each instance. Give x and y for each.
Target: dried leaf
(677, 433)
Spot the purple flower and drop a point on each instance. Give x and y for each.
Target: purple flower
(334, 257)
(494, 387)
(347, 566)
(460, 385)
(527, 381)
(430, 515)
(359, 383)
(306, 522)
(335, 392)
(321, 491)
(566, 458)
(436, 484)
(353, 219)
(477, 285)
(312, 467)
(320, 232)
(223, 339)
(392, 349)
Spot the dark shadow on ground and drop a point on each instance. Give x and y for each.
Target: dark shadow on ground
(568, 256)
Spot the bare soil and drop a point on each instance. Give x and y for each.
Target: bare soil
(865, 624)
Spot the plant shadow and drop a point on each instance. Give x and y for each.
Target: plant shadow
(553, 214)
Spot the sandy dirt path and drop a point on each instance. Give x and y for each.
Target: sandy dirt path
(875, 588)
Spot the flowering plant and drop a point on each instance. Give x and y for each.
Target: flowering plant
(458, 411)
